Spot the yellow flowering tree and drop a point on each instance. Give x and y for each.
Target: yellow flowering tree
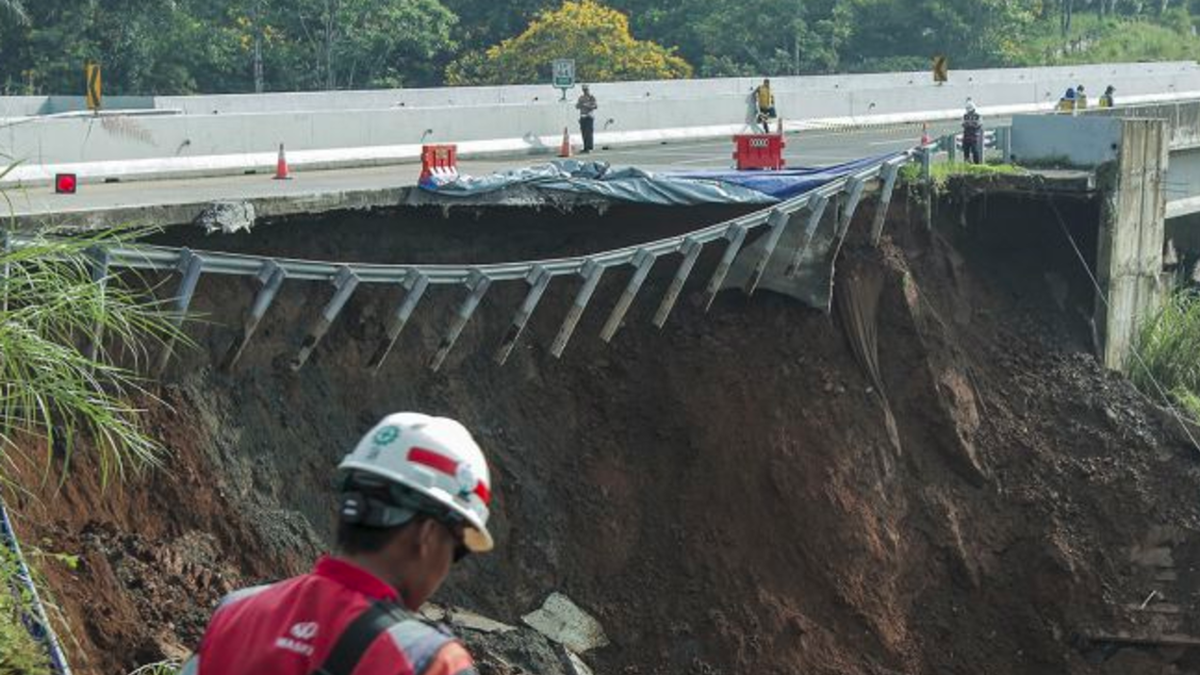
(597, 37)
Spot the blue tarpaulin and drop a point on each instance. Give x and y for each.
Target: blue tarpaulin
(639, 186)
(784, 183)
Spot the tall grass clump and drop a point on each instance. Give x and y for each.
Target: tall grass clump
(59, 385)
(1169, 344)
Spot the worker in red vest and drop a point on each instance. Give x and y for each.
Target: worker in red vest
(415, 495)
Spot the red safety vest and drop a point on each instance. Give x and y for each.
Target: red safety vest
(290, 628)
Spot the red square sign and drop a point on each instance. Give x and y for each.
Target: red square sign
(65, 183)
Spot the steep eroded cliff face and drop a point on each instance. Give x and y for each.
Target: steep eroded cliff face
(727, 495)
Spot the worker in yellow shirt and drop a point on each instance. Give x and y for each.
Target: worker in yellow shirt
(766, 105)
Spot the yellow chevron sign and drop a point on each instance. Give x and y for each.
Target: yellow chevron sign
(93, 86)
(941, 69)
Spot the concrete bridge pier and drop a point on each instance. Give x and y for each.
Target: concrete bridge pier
(1130, 245)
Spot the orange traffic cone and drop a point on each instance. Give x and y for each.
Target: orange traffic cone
(925, 140)
(565, 149)
(281, 166)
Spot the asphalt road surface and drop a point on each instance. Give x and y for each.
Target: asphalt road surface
(164, 201)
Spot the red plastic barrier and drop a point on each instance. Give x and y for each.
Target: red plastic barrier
(439, 160)
(759, 151)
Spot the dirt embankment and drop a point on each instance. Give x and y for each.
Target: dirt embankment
(726, 495)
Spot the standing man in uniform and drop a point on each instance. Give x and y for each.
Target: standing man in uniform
(586, 105)
(765, 102)
(414, 500)
(972, 136)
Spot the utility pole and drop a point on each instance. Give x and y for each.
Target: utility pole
(258, 61)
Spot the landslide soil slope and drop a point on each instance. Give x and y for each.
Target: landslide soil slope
(725, 495)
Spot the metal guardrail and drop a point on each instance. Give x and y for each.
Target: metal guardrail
(271, 273)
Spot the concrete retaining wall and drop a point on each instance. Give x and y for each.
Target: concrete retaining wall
(359, 128)
(1064, 139)
(1183, 120)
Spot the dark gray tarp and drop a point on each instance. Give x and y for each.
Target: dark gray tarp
(599, 179)
(630, 184)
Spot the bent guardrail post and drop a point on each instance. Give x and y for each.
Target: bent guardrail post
(344, 284)
(690, 248)
(271, 276)
(591, 273)
(891, 171)
(854, 188)
(736, 234)
(538, 279)
(778, 222)
(414, 285)
(477, 284)
(816, 212)
(642, 262)
(101, 258)
(190, 267)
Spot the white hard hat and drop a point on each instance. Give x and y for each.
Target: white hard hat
(970, 105)
(436, 458)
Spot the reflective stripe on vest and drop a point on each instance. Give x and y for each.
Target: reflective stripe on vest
(419, 641)
(242, 594)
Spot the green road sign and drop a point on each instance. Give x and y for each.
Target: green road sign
(564, 73)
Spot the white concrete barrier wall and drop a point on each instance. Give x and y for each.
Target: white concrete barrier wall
(205, 143)
(1080, 141)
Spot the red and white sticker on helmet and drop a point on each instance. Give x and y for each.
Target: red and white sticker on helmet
(462, 472)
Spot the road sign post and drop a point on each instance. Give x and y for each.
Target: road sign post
(93, 86)
(564, 75)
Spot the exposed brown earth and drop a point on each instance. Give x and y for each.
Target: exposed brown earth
(726, 495)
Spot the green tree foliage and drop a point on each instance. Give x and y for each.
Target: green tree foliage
(186, 46)
(487, 23)
(973, 33)
(344, 44)
(751, 37)
(597, 37)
